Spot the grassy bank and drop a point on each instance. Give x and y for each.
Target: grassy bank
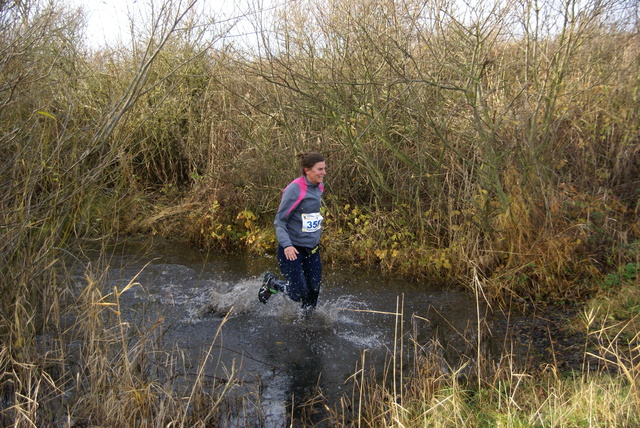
(483, 393)
(491, 145)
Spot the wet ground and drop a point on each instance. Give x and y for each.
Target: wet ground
(550, 337)
(208, 303)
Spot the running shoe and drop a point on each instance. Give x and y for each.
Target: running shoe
(268, 287)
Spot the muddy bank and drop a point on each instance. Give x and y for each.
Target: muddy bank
(548, 337)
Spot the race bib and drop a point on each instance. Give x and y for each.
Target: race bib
(311, 222)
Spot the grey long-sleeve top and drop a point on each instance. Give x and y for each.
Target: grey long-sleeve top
(298, 221)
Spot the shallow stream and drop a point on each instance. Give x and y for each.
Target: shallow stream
(361, 320)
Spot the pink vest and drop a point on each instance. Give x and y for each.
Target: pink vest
(302, 184)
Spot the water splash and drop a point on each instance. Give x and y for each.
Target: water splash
(238, 298)
(242, 298)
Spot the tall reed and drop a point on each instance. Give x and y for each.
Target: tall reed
(476, 388)
(498, 139)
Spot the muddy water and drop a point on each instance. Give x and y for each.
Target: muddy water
(278, 354)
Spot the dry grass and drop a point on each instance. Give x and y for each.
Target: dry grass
(459, 146)
(480, 390)
(103, 371)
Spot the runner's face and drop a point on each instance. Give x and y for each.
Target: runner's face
(316, 174)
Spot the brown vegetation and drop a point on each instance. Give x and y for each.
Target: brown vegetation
(501, 139)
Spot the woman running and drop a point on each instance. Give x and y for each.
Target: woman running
(298, 226)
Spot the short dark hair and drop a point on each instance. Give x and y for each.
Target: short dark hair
(308, 160)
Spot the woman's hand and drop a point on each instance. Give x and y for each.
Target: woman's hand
(291, 253)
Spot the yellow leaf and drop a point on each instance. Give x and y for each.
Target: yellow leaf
(49, 115)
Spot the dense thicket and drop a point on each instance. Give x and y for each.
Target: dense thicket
(501, 138)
